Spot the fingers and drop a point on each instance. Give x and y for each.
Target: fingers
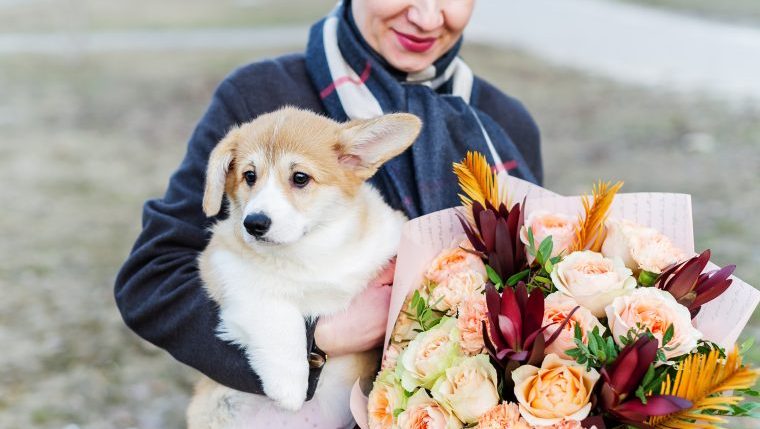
(386, 275)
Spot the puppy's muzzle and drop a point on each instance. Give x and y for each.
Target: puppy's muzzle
(257, 224)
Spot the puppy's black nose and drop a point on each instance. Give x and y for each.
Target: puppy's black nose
(257, 224)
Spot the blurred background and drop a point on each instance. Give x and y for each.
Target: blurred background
(97, 101)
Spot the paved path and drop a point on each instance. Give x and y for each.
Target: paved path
(626, 42)
(169, 40)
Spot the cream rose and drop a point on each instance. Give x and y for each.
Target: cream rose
(503, 416)
(448, 295)
(422, 412)
(452, 261)
(559, 390)
(468, 388)
(556, 308)
(386, 397)
(543, 223)
(428, 355)
(640, 247)
(472, 313)
(655, 310)
(592, 280)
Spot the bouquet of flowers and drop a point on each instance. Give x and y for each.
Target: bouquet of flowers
(525, 309)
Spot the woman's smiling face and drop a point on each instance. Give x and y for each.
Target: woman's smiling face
(411, 34)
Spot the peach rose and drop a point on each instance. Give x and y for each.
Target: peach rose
(655, 310)
(556, 308)
(447, 296)
(543, 223)
(559, 390)
(429, 355)
(390, 357)
(592, 280)
(422, 412)
(503, 416)
(468, 388)
(386, 397)
(452, 261)
(472, 312)
(640, 247)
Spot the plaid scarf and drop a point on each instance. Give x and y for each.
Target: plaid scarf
(354, 82)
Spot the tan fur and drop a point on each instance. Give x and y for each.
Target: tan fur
(275, 145)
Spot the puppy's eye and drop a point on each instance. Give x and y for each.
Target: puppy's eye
(250, 177)
(301, 179)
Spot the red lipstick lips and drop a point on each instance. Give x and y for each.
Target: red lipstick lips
(414, 43)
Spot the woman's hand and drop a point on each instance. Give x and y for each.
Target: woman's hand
(362, 326)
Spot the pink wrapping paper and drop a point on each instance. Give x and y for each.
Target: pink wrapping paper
(720, 320)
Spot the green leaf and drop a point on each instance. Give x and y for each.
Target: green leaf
(549, 266)
(578, 333)
(592, 344)
(545, 250)
(543, 280)
(641, 395)
(493, 275)
(517, 277)
(647, 278)
(649, 376)
(668, 335)
(531, 242)
(397, 411)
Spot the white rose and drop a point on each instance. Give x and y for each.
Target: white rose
(640, 247)
(556, 308)
(543, 223)
(428, 355)
(655, 310)
(468, 388)
(592, 280)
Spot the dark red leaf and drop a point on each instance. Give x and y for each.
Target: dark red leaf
(503, 248)
(487, 228)
(509, 331)
(472, 236)
(477, 208)
(631, 365)
(534, 313)
(562, 325)
(657, 405)
(709, 280)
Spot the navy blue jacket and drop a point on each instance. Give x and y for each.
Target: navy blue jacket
(158, 290)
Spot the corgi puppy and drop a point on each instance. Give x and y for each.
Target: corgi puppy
(305, 234)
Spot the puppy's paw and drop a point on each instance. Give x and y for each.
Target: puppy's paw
(288, 392)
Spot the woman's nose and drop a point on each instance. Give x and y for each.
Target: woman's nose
(426, 14)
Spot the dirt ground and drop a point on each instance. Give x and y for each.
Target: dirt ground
(85, 140)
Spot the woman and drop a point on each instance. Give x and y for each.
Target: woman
(366, 58)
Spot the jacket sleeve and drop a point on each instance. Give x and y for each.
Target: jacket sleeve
(158, 290)
(515, 119)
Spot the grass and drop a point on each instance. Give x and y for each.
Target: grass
(86, 140)
(733, 11)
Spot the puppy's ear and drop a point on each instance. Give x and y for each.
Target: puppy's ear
(219, 163)
(364, 145)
